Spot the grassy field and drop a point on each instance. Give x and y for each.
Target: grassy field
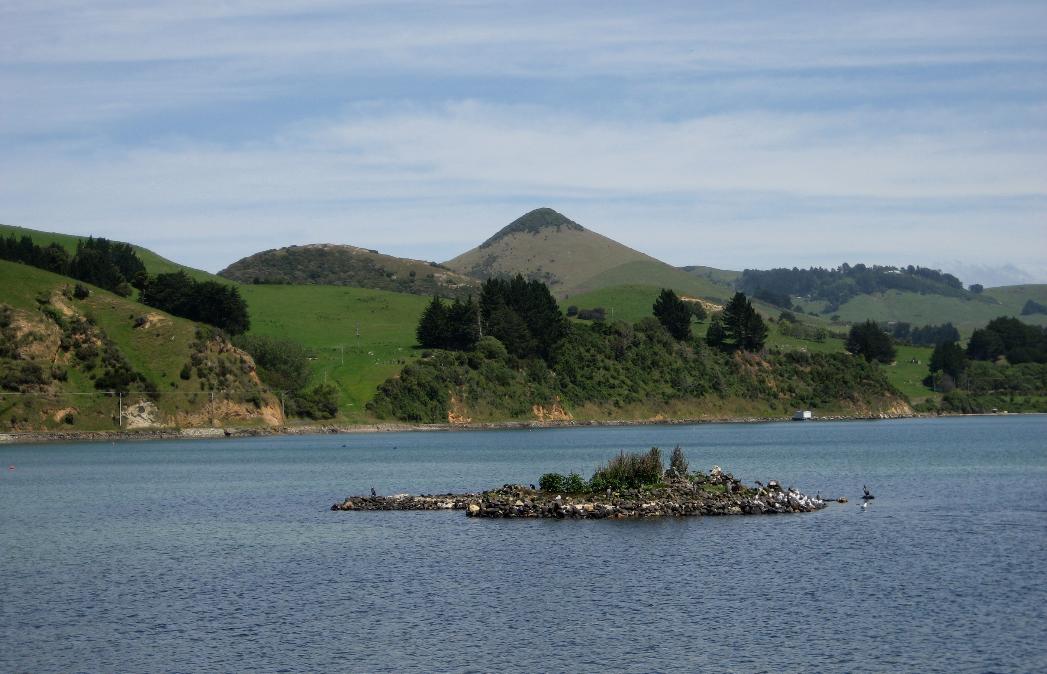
(154, 263)
(359, 338)
(627, 303)
(909, 369)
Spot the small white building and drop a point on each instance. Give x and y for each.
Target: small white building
(802, 415)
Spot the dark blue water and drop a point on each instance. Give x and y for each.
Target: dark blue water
(223, 555)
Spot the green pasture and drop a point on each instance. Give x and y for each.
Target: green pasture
(358, 337)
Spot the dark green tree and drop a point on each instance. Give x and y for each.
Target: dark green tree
(433, 329)
(209, 302)
(742, 325)
(463, 325)
(715, 336)
(869, 341)
(536, 308)
(950, 358)
(673, 313)
(984, 345)
(1009, 337)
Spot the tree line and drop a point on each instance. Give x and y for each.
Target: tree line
(521, 314)
(836, 286)
(116, 267)
(107, 264)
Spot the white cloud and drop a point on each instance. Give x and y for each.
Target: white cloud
(729, 135)
(373, 179)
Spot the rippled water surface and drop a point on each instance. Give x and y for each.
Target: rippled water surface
(223, 555)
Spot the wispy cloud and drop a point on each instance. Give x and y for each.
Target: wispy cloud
(725, 134)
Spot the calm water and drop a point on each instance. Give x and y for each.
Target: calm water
(223, 555)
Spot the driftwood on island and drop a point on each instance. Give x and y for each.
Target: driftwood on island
(719, 494)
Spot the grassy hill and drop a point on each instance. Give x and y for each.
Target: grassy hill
(154, 264)
(55, 347)
(723, 277)
(339, 265)
(966, 314)
(358, 337)
(547, 246)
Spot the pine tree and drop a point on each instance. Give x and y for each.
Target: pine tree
(673, 313)
(433, 328)
(742, 325)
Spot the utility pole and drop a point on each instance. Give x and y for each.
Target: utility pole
(120, 407)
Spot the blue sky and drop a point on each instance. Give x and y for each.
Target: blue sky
(733, 135)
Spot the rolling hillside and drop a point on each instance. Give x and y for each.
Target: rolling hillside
(62, 354)
(339, 265)
(547, 246)
(966, 314)
(154, 264)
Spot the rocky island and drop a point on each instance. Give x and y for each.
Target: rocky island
(630, 486)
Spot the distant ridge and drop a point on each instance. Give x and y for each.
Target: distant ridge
(534, 222)
(342, 265)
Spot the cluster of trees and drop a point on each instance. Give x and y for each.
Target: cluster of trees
(871, 342)
(116, 267)
(1022, 345)
(594, 314)
(208, 302)
(106, 264)
(836, 286)
(738, 326)
(1008, 337)
(778, 299)
(1033, 307)
(455, 326)
(521, 314)
(927, 335)
(631, 369)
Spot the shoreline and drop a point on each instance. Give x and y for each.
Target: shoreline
(39, 437)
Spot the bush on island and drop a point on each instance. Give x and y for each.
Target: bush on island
(629, 471)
